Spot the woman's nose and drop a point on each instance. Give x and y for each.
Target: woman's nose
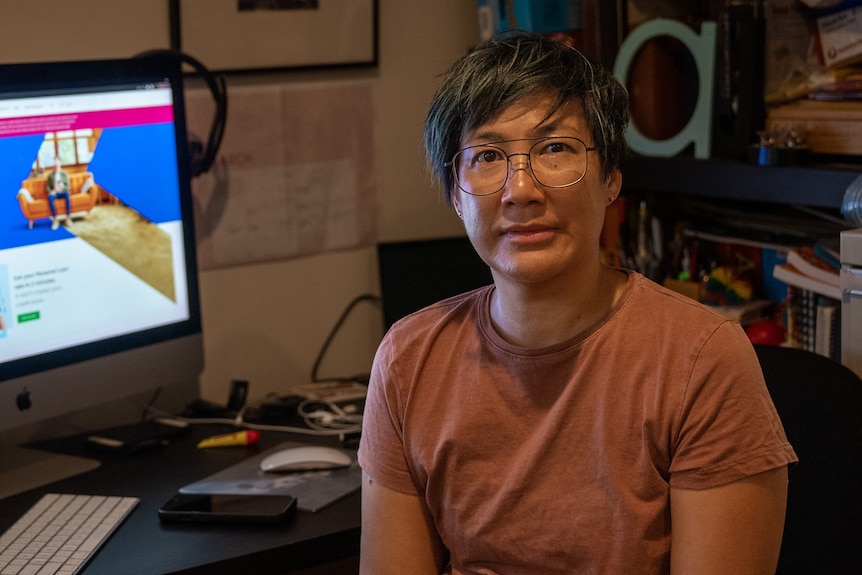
(520, 185)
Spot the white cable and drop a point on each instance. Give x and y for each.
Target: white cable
(313, 428)
(332, 416)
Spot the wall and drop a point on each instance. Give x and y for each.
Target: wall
(266, 323)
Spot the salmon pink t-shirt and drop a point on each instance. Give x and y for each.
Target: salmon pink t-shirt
(560, 460)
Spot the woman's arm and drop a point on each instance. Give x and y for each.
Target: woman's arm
(398, 535)
(734, 528)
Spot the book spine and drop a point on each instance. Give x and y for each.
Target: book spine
(809, 319)
(739, 109)
(792, 316)
(827, 328)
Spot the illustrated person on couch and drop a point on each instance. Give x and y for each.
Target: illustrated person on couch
(58, 187)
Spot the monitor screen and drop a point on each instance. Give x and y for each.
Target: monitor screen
(98, 279)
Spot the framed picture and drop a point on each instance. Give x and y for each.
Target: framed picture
(242, 35)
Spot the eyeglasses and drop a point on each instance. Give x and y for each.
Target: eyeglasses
(555, 162)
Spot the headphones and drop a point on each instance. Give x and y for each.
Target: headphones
(201, 158)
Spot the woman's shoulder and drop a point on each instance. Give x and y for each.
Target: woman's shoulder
(456, 308)
(657, 298)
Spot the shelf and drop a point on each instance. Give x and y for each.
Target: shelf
(822, 187)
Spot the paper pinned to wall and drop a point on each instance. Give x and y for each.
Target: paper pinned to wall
(294, 175)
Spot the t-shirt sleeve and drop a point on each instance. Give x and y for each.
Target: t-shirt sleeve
(381, 448)
(728, 428)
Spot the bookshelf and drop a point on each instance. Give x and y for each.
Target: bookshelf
(769, 205)
(753, 189)
(816, 185)
(727, 175)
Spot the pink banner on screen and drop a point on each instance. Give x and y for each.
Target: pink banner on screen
(79, 120)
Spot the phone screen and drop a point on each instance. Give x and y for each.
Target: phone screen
(244, 508)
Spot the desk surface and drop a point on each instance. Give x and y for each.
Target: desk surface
(145, 546)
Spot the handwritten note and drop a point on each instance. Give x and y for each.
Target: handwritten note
(294, 176)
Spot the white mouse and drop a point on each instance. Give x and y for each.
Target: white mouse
(305, 458)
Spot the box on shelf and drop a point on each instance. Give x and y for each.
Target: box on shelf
(839, 37)
(830, 127)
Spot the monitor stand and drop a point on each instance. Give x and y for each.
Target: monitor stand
(22, 469)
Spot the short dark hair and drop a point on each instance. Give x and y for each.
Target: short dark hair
(508, 68)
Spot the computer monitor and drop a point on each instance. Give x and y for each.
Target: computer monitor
(98, 282)
(416, 273)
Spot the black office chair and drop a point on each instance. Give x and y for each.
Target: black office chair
(820, 404)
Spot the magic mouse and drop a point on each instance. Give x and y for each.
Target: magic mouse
(305, 458)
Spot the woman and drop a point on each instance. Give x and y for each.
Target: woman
(572, 417)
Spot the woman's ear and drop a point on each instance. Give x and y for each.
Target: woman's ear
(613, 185)
(456, 204)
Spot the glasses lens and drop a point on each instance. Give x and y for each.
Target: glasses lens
(481, 170)
(559, 162)
(555, 162)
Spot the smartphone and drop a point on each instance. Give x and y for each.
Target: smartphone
(228, 508)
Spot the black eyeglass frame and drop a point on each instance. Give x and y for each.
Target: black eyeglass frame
(536, 141)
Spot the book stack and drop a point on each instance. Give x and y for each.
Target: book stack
(805, 269)
(813, 301)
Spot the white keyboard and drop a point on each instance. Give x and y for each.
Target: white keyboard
(60, 533)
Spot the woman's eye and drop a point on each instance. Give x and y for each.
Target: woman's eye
(488, 156)
(555, 148)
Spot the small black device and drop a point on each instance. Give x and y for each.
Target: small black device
(228, 508)
(137, 437)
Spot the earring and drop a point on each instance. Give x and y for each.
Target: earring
(460, 215)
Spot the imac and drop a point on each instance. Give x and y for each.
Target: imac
(98, 277)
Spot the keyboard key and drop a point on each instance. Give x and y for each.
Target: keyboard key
(60, 533)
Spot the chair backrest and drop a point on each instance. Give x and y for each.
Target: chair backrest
(820, 404)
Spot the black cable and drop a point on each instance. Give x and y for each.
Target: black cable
(344, 315)
(145, 412)
(202, 160)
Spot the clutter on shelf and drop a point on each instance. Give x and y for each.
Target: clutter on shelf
(813, 72)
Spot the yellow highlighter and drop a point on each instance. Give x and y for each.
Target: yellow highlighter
(248, 437)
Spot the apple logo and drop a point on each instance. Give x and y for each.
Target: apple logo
(23, 400)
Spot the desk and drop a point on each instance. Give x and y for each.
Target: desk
(145, 546)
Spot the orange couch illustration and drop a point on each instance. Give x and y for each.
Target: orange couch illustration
(33, 196)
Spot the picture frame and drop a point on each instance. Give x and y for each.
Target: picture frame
(252, 35)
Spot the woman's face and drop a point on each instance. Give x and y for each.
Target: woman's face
(528, 232)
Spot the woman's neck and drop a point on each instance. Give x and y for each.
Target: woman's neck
(539, 315)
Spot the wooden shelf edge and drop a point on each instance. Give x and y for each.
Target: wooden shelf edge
(815, 186)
